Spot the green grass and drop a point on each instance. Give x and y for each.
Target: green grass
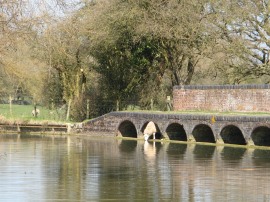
(197, 112)
(226, 113)
(23, 113)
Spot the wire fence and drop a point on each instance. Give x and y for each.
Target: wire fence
(95, 109)
(81, 110)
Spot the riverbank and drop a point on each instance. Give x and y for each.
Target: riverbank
(127, 124)
(34, 128)
(19, 119)
(43, 131)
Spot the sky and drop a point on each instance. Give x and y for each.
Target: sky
(54, 7)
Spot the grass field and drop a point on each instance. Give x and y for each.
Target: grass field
(24, 113)
(215, 113)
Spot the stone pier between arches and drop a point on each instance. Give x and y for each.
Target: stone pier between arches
(230, 129)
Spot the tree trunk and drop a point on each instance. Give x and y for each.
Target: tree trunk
(190, 71)
(68, 109)
(10, 105)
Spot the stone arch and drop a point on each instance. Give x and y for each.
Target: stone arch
(261, 136)
(176, 131)
(231, 134)
(127, 129)
(203, 133)
(158, 134)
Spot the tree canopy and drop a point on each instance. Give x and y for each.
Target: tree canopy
(125, 51)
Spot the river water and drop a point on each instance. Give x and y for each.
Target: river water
(36, 168)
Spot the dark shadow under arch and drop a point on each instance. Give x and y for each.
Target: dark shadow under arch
(261, 136)
(232, 135)
(175, 131)
(203, 133)
(127, 129)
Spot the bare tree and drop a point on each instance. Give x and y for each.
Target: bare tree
(244, 43)
(21, 23)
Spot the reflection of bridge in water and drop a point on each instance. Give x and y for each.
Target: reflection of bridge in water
(220, 155)
(241, 130)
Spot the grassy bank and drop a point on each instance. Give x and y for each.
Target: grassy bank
(23, 113)
(197, 112)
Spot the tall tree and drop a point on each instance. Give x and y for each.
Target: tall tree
(148, 45)
(20, 23)
(244, 27)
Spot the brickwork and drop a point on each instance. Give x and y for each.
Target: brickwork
(237, 98)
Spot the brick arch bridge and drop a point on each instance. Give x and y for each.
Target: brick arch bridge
(242, 130)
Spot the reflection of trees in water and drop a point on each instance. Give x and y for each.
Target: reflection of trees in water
(112, 170)
(203, 151)
(4, 137)
(97, 170)
(261, 158)
(232, 155)
(176, 151)
(128, 146)
(31, 137)
(66, 165)
(121, 174)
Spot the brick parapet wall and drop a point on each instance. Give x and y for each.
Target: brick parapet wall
(238, 98)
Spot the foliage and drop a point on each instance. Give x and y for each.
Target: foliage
(244, 43)
(147, 46)
(122, 53)
(53, 92)
(21, 21)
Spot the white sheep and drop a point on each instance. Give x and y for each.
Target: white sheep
(35, 112)
(150, 130)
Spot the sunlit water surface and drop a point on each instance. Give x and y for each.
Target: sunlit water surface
(35, 168)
